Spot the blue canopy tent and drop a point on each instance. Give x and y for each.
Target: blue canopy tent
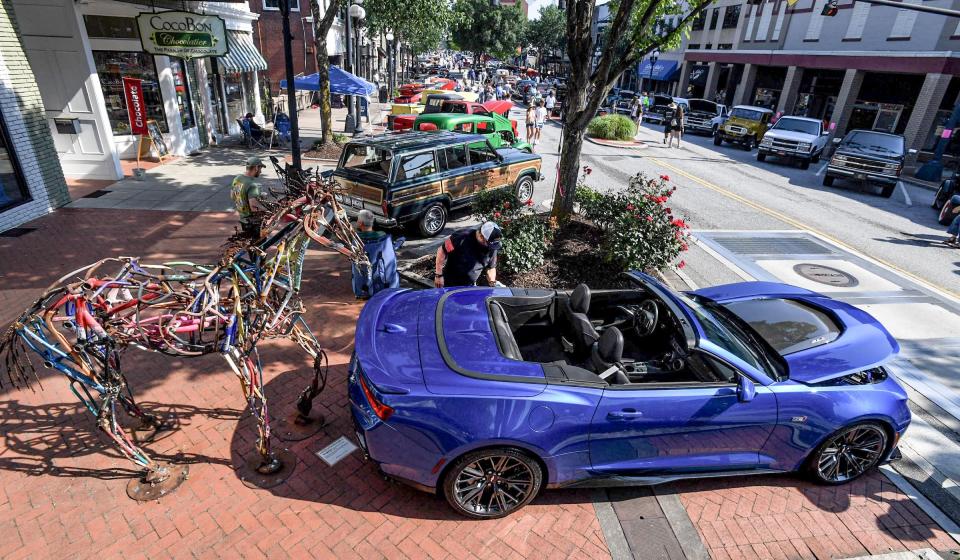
(341, 83)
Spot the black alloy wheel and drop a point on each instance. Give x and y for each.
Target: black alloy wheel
(849, 453)
(492, 483)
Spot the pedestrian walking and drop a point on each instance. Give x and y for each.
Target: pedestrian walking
(635, 110)
(539, 120)
(530, 120)
(672, 124)
(246, 194)
(550, 102)
(467, 253)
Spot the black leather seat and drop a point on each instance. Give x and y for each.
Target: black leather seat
(607, 353)
(577, 325)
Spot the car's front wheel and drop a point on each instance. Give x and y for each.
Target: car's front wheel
(827, 181)
(761, 156)
(849, 453)
(492, 483)
(433, 220)
(717, 139)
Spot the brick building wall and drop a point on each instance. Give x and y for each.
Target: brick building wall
(23, 112)
(268, 37)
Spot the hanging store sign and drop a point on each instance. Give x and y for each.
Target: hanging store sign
(182, 34)
(133, 92)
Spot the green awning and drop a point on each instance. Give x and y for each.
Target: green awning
(242, 55)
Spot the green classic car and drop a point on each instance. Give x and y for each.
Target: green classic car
(500, 131)
(418, 178)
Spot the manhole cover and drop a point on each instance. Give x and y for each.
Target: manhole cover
(826, 275)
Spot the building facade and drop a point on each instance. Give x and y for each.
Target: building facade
(31, 182)
(868, 67)
(80, 51)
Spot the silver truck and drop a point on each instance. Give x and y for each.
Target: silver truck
(797, 138)
(704, 116)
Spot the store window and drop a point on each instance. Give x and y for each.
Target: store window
(233, 89)
(13, 189)
(275, 5)
(180, 85)
(112, 67)
(110, 27)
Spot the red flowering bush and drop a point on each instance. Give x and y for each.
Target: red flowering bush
(640, 230)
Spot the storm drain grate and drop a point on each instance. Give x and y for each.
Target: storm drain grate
(97, 194)
(772, 246)
(16, 232)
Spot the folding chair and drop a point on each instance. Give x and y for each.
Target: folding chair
(248, 137)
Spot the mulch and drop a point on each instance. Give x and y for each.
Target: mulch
(330, 150)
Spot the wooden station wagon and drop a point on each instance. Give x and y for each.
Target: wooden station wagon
(419, 177)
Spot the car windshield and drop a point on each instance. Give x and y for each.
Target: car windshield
(733, 335)
(798, 125)
(369, 159)
(748, 114)
(876, 142)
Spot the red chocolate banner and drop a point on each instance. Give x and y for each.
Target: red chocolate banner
(133, 90)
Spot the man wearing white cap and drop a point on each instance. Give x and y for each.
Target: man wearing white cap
(465, 254)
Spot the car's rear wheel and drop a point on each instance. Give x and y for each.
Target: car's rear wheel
(433, 219)
(524, 189)
(492, 483)
(849, 453)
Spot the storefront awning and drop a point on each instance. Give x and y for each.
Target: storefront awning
(243, 56)
(663, 70)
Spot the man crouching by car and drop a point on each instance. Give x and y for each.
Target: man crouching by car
(465, 254)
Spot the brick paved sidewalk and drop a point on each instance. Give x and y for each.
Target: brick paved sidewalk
(62, 487)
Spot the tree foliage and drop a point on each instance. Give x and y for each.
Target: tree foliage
(636, 28)
(485, 29)
(419, 23)
(549, 31)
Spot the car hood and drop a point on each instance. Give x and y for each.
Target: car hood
(862, 342)
(702, 106)
(868, 153)
(746, 123)
(791, 135)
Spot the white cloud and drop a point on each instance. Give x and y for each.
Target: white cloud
(535, 5)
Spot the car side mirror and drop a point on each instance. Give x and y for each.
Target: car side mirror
(746, 390)
(911, 151)
(837, 140)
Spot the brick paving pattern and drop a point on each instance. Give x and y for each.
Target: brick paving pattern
(62, 486)
(780, 517)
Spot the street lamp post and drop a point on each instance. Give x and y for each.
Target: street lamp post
(390, 61)
(349, 124)
(356, 11)
(284, 6)
(653, 62)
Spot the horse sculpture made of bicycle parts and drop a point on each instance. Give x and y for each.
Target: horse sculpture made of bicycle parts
(84, 322)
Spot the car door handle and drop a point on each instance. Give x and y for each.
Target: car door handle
(625, 414)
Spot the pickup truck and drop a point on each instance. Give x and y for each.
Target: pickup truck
(868, 157)
(798, 138)
(704, 116)
(658, 107)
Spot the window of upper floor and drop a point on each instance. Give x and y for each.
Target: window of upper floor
(731, 15)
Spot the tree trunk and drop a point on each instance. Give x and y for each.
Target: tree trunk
(568, 173)
(323, 72)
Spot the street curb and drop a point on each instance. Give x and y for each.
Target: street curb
(635, 145)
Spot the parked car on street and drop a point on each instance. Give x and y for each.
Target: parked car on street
(746, 126)
(659, 105)
(496, 128)
(489, 395)
(868, 157)
(418, 177)
(801, 139)
(704, 116)
(624, 102)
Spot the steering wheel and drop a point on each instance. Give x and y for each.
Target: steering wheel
(647, 317)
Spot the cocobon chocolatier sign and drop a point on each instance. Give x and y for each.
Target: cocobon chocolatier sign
(182, 34)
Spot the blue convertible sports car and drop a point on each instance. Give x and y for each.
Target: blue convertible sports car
(487, 395)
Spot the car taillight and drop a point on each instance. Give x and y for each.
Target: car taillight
(386, 209)
(381, 410)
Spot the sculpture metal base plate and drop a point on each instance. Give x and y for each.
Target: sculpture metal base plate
(294, 427)
(145, 489)
(253, 478)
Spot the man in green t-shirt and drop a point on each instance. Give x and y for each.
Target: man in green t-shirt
(245, 193)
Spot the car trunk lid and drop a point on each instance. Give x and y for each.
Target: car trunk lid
(387, 343)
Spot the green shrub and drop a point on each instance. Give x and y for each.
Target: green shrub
(526, 236)
(612, 127)
(640, 230)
